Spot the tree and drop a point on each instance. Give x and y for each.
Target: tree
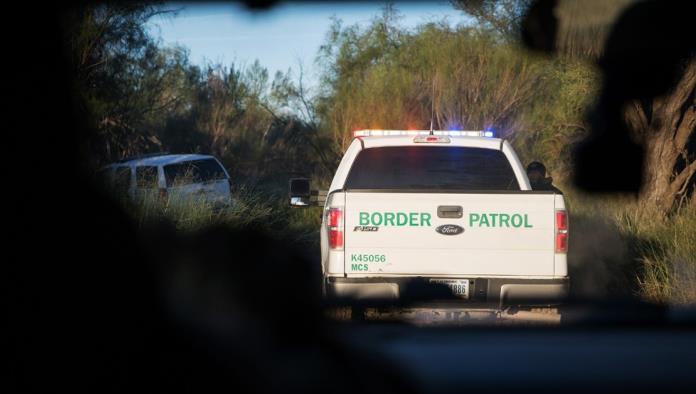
(300, 124)
(613, 34)
(121, 76)
(667, 127)
(220, 105)
(462, 77)
(502, 16)
(664, 125)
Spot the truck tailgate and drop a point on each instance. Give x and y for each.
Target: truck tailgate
(509, 234)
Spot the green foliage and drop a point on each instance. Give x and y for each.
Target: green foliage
(666, 251)
(584, 25)
(192, 213)
(501, 16)
(385, 77)
(251, 208)
(465, 77)
(619, 249)
(122, 76)
(555, 121)
(141, 97)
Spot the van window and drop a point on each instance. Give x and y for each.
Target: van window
(193, 171)
(146, 177)
(432, 168)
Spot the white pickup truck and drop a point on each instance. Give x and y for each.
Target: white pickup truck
(449, 207)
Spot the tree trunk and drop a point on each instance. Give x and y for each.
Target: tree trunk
(660, 158)
(666, 125)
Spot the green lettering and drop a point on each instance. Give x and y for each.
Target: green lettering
(413, 219)
(484, 219)
(519, 220)
(399, 217)
(389, 219)
(493, 216)
(425, 218)
(353, 258)
(374, 221)
(504, 218)
(527, 225)
(364, 218)
(473, 217)
(355, 267)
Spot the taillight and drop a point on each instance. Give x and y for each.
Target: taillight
(561, 232)
(334, 223)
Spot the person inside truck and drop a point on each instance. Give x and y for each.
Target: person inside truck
(536, 172)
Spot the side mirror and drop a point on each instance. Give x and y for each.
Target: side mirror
(299, 192)
(302, 196)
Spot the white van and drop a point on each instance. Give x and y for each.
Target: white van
(171, 177)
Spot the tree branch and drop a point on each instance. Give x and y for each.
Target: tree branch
(309, 109)
(635, 115)
(683, 90)
(683, 177)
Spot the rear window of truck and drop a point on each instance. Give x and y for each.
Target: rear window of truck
(420, 167)
(193, 171)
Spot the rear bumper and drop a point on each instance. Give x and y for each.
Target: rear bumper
(501, 291)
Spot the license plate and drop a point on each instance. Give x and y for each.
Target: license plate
(459, 287)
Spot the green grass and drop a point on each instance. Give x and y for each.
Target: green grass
(256, 207)
(619, 248)
(667, 252)
(192, 214)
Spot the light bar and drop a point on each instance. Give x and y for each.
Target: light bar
(450, 133)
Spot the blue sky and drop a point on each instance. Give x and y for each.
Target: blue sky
(279, 38)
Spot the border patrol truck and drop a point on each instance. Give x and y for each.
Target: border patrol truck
(447, 207)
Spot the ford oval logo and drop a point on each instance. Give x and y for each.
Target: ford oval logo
(449, 229)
